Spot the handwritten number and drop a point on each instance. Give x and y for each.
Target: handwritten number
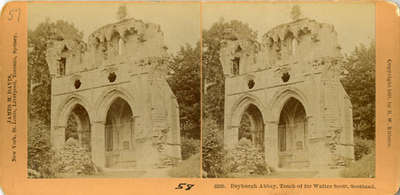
(14, 13)
(188, 186)
(180, 186)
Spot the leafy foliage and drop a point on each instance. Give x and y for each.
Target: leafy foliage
(189, 147)
(39, 150)
(185, 83)
(39, 93)
(39, 80)
(71, 128)
(363, 147)
(246, 159)
(33, 174)
(245, 127)
(363, 168)
(212, 150)
(359, 84)
(73, 160)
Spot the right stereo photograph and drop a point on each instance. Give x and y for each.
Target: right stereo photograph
(288, 90)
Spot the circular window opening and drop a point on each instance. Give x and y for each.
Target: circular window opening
(285, 77)
(77, 84)
(112, 76)
(251, 84)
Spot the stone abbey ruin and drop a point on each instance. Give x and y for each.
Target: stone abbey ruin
(284, 94)
(114, 87)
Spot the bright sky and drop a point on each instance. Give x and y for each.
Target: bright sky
(180, 22)
(354, 22)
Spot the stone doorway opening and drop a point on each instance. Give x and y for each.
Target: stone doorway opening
(119, 135)
(292, 135)
(252, 126)
(78, 127)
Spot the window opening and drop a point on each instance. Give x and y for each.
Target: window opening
(236, 66)
(62, 66)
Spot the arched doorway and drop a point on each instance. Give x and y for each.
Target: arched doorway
(252, 126)
(119, 132)
(292, 135)
(78, 126)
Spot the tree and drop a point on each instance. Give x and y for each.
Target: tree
(214, 80)
(38, 71)
(359, 84)
(185, 84)
(39, 93)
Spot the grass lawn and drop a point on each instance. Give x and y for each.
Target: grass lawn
(188, 168)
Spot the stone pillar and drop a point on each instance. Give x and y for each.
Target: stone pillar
(271, 144)
(58, 137)
(316, 143)
(98, 143)
(309, 131)
(309, 123)
(309, 135)
(231, 136)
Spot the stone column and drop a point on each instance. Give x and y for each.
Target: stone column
(271, 143)
(316, 143)
(58, 137)
(98, 143)
(309, 127)
(231, 136)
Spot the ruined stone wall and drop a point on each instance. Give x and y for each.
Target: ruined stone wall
(297, 44)
(298, 60)
(121, 60)
(129, 40)
(303, 40)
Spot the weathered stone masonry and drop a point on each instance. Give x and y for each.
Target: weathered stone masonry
(115, 86)
(289, 87)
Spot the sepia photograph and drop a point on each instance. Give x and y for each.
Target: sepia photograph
(200, 97)
(288, 90)
(113, 90)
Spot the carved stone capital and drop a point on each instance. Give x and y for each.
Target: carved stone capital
(59, 127)
(271, 122)
(233, 126)
(99, 122)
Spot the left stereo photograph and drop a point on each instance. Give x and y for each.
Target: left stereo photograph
(113, 90)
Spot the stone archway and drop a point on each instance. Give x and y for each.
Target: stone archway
(252, 126)
(74, 109)
(292, 135)
(103, 104)
(278, 103)
(78, 126)
(119, 134)
(248, 108)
